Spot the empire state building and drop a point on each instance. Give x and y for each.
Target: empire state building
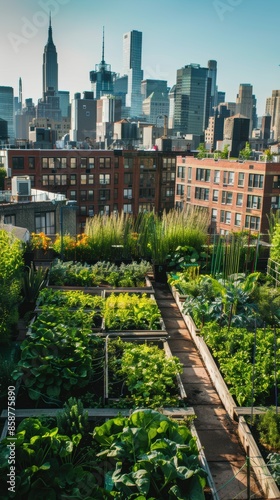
(50, 66)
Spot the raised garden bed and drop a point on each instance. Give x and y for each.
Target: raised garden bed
(259, 467)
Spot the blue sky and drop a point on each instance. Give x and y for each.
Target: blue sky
(241, 35)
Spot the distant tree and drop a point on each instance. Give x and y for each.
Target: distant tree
(225, 152)
(246, 152)
(268, 155)
(2, 177)
(202, 151)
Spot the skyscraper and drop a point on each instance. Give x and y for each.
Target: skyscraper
(102, 78)
(246, 104)
(192, 99)
(7, 110)
(50, 66)
(212, 68)
(132, 57)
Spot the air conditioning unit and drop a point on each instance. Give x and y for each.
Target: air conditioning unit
(21, 188)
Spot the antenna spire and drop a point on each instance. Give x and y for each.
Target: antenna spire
(103, 60)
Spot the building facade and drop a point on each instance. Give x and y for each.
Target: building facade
(132, 61)
(192, 100)
(101, 181)
(102, 78)
(50, 66)
(237, 195)
(7, 110)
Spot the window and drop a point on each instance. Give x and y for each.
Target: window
(83, 210)
(31, 162)
(203, 174)
(10, 219)
(73, 179)
(90, 195)
(188, 193)
(116, 178)
(237, 220)
(127, 178)
(83, 163)
(83, 195)
(127, 208)
(104, 194)
(189, 174)
(180, 190)
(45, 222)
(215, 196)
(73, 162)
(225, 217)
(228, 178)
(254, 201)
(169, 192)
(214, 214)
(241, 177)
(181, 173)
(276, 182)
(45, 180)
(63, 162)
(105, 162)
(201, 193)
(226, 198)
(252, 222)
(32, 180)
(128, 162)
(90, 162)
(73, 195)
(18, 162)
(216, 176)
(90, 179)
(256, 180)
(239, 200)
(52, 163)
(104, 178)
(127, 193)
(45, 162)
(83, 179)
(168, 176)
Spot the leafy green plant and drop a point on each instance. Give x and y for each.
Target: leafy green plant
(274, 466)
(58, 354)
(275, 244)
(100, 273)
(33, 281)
(229, 302)
(154, 457)
(146, 372)
(268, 426)
(11, 266)
(131, 312)
(246, 360)
(73, 419)
(47, 465)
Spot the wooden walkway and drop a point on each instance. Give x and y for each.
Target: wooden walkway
(216, 431)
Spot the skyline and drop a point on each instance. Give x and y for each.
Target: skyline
(174, 35)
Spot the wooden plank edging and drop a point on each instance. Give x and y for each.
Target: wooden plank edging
(258, 464)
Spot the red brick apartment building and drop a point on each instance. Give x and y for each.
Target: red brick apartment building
(101, 181)
(239, 195)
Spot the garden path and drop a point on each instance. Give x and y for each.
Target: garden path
(217, 432)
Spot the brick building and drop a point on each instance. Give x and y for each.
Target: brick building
(238, 195)
(101, 181)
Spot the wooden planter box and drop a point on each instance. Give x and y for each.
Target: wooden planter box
(259, 467)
